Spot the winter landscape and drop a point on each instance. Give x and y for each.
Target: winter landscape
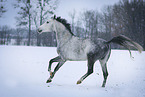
(23, 73)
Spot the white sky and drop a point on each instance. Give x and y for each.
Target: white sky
(64, 7)
(67, 6)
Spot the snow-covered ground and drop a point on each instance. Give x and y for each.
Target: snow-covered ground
(23, 73)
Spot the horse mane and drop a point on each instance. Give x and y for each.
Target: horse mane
(64, 22)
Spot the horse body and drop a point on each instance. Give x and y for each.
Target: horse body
(72, 48)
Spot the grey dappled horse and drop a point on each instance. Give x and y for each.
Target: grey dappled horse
(72, 48)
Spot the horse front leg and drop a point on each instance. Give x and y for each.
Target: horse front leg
(55, 70)
(56, 59)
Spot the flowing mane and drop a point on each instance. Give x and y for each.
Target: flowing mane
(65, 23)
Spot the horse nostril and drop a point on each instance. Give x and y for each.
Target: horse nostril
(39, 30)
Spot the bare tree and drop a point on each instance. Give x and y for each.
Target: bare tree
(4, 34)
(18, 36)
(25, 15)
(106, 20)
(43, 10)
(129, 19)
(2, 7)
(90, 23)
(86, 22)
(72, 16)
(79, 29)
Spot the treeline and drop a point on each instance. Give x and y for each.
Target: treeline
(126, 17)
(19, 36)
(31, 14)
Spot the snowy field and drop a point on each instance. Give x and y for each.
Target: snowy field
(23, 73)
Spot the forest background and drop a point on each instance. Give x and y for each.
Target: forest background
(125, 17)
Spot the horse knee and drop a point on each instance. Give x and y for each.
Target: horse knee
(51, 61)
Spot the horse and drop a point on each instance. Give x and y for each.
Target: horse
(73, 48)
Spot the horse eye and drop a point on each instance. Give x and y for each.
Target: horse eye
(47, 22)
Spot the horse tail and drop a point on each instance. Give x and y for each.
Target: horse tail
(126, 42)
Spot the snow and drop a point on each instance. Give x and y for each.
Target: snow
(23, 73)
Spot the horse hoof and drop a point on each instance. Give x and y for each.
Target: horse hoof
(103, 85)
(48, 81)
(79, 82)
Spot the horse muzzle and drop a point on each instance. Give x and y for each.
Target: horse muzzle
(39, 31)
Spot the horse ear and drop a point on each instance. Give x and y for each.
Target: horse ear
(54, 17)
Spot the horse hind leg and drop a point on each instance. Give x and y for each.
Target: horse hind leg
(103, 63)
(90, 70)
(105, 74)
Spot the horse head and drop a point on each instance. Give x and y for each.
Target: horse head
(47, 26)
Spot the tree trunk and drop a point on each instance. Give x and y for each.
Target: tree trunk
(29, 35)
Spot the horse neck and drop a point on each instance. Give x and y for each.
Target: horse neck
(62, 34)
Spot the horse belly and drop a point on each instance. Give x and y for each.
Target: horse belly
(73, 55)
(77, 56)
